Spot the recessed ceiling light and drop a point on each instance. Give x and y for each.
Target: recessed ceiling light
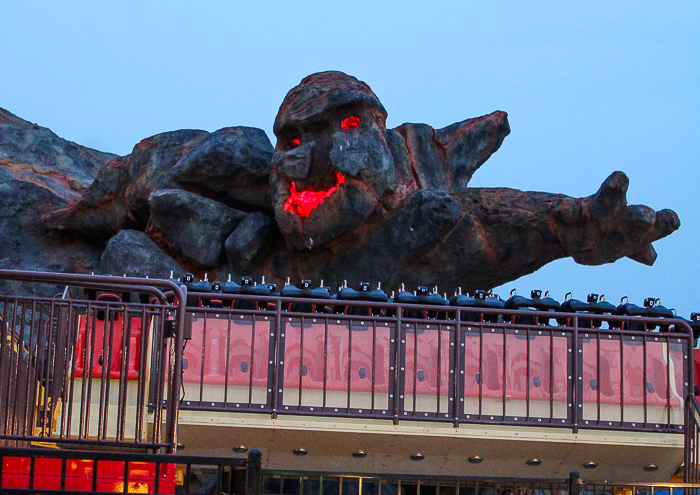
(240, 449)
(359, 454)
(475, 459)
(590, 465)
(417, 457)
(534, 462)
(651, 467)
(300, 452)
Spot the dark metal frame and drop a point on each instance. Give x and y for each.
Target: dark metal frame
(54, 355)
(692, 440)
(451, 318)
(574, 485)
(246, 483)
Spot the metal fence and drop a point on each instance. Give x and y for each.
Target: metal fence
(42, 471)
(90, 372)
(275, 483)
(692, 440)
(521, 368)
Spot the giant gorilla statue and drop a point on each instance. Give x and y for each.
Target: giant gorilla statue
(341, 197)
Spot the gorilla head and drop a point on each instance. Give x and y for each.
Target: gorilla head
(331, 164)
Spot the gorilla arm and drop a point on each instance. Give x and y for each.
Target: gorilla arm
(505, 233)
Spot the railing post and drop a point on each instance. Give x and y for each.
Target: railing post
(457, 389)
(254, 473)
(276, 359)
(575, 483)
(575, 397)
(397, 366)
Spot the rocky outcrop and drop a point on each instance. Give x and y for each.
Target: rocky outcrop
(134, 254)
(39, 173)
(194, 227)
(340, 197)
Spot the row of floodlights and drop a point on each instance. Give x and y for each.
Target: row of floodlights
(417, 456)
(594, 304)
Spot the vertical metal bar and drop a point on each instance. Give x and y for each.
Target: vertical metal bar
(551, 376)
(156, 481)
(527, 376)
(32, 461)
(577, 385)
(668, 380)
(278, 353)
(67, 388)
(481, 367)
(106, 372)
(204, 351)
(457, 365)
(125, 486)
(254, 473)
(48, 371)
(174, 405)
(123, 372)
(188, 475)
(622, 381)
(575, 483)
(646, 378)
(9, 420)
(325, 363)
(439, 362)
(31, 383)
(397, 362)
(350, 322)
(414, 371)
(7, 333)
(141, 379)
(92, 317)
(165, 363)
(219, 476)
(228, 359)
(253, 362)
(505, 353)
(87, 373)
(597, 376)
(301, 360)
(374, 359)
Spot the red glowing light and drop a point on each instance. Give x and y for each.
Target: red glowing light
(302, 202)
(295, 143)
(350, 123)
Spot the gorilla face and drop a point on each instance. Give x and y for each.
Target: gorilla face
(329, 169)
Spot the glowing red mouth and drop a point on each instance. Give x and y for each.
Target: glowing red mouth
(303, 202)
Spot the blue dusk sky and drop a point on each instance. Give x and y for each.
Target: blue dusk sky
(590, 88)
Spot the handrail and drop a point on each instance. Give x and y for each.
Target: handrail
(128, 284)
(452, 316)
(692, 440)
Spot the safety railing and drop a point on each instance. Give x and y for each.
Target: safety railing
(77, 372)
(290, 483)
(41, 471)
(692, 440)
(521, 367)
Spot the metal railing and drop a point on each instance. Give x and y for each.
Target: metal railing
(41, 471)
(289, 483)
(383, 364)
(81, 372)
(692, 440)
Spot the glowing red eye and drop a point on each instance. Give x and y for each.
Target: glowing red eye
(295, 143)
(350, 123)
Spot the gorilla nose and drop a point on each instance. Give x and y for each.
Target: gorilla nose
(296, 163)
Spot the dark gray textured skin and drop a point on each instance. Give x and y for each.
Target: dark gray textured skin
(214, 202)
